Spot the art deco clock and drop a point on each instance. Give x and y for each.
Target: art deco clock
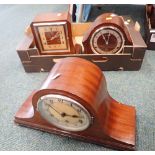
(74, 101)
(52, 33)
(107, 35)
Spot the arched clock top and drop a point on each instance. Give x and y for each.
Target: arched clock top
(112, 30)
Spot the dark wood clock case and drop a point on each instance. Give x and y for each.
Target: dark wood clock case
(115, 21)
(113, 124)
(51, 18)
(151, 23)
(130, 60)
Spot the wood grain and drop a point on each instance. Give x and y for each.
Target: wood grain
(113, 124)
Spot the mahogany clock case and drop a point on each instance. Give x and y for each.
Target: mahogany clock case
(136, 12)
(112, 124)
(130, 60)
(101, 26)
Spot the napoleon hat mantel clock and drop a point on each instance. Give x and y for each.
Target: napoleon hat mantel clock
(52, 33)
(79, 107)
(108, 34)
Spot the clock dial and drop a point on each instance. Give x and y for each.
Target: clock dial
(53, 37)
(107, 40)
(64, 112)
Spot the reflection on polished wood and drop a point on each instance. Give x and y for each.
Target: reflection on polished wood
(113, 124)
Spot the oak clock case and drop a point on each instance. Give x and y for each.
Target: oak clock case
(79, 107)
(52, 33)
(107, 35)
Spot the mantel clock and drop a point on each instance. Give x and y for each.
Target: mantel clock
(74, 101)
(108, 34)
(52, 33)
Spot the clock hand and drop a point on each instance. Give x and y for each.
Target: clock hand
(104, 38)
(56, 35)
(63, 114)
(54, 109)
(108, 37)
(74, 116)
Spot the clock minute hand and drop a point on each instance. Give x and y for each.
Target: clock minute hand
(54, 109)
(108, 37)
(55, 36)
(106, 42)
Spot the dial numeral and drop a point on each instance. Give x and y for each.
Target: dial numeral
(81, 121)
(51, 101)
(78, 110)
(60, 100)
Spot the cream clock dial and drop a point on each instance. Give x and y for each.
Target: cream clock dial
(53, 37)
(64, 112)
(107, 40)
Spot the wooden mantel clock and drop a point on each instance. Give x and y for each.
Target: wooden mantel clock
(151, 14)
(73, 101)
(108, 34)
(52, 33)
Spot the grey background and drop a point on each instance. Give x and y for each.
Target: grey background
(136, 88)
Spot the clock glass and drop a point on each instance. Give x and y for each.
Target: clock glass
(52, 36)
(64, 112)
(107, 40)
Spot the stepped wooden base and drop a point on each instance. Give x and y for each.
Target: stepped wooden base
(116, 139)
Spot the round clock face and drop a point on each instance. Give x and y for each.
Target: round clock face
(107, 40)
(64, 113)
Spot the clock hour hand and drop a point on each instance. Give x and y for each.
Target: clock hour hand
(104, 38)
(74, 116)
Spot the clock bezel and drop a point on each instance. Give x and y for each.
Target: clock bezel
(107, 27)
(44, 115)
(39, 42)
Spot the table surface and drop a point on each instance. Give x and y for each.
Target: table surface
(135, 88)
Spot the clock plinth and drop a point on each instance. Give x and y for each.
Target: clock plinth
(112, 124)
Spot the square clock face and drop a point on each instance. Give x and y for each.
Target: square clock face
(52, 37)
